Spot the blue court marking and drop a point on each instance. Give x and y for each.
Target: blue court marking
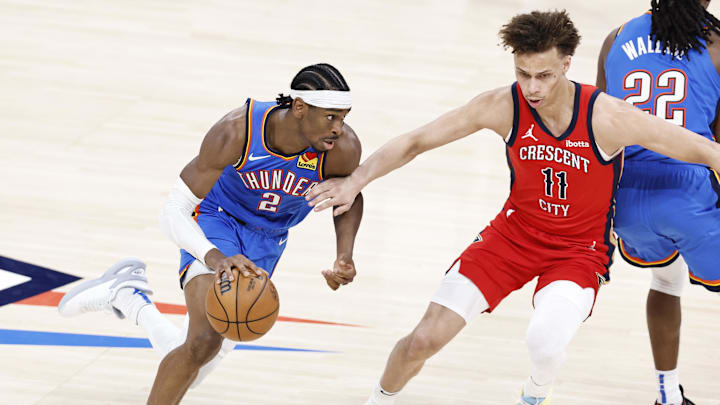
(41, 279)
(37, 338)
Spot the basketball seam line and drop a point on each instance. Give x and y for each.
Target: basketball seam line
(244, 322)
(247, 325)
(223, 308)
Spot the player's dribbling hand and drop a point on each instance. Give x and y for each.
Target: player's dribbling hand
(339, 192)
(343, 273)
(224, 265)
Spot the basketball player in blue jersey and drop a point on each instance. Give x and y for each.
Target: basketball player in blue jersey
(666, 62)
(231, 208)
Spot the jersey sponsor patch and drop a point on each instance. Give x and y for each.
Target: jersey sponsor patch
(308, 160)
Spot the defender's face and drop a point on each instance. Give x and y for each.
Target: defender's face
(538, 75)
(323, 126)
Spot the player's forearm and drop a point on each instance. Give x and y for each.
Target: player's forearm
(685, 145)
(177, 222)
(346, 228)
(394, 154)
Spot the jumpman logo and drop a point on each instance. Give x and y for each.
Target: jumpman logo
(529, 133)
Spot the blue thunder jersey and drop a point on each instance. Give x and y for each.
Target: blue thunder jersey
(266, 189)
(684, 90)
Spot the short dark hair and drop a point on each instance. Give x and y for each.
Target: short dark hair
(680, 24)
(540, 31)
(321, 76)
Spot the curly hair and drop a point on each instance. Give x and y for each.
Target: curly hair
(540, 31)
(680, 24)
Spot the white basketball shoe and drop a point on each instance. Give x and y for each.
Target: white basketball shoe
(525, 400)
(99, 294)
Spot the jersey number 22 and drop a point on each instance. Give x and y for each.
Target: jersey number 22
(663, 93)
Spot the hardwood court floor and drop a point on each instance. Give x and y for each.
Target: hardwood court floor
(102, 103)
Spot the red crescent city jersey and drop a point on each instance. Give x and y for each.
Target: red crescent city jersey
(563, 185)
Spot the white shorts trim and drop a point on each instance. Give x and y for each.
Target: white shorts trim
(460, 295)
(196, 269)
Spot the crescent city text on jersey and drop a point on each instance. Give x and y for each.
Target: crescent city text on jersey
(557, 154)
(279, 179)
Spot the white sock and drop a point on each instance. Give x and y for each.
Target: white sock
(129, 301)
(381, 397)
(163, 334)
(668, 387)
(533, 390)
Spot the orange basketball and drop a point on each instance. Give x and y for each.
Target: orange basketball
(243, 309)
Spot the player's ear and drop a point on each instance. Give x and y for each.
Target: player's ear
(566, 64)
(299, 108)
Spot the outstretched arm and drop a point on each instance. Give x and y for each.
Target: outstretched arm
(618, 124)
(492, 109)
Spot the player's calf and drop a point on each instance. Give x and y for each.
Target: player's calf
(201, 348)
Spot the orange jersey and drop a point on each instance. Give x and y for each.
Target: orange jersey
(562, 186)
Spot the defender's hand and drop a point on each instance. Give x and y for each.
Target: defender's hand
(339, 192)
(343, 273)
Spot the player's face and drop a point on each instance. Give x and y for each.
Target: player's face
(539, 74)
(323, 126)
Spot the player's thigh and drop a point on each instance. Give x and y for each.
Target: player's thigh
(459, 294)
(200, 332)
(264, 251)
(697, 232)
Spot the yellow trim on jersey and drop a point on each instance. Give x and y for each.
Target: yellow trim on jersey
(619, 30)
(184, 270)
(713, 283)
(717, 176)
(642, 262)
(262, 136)
(248, 131)
(320, 165)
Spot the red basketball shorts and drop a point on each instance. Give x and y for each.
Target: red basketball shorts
(508, 254)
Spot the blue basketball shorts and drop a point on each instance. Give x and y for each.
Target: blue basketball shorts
(666, 210)
(232, 236)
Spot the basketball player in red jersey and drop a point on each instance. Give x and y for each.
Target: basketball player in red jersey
(564, 144)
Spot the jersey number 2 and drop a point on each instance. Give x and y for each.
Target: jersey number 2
(671, 86)
(270, 202)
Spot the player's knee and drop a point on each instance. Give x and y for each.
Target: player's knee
(422, 344)
(203, 347)
(543, 343)
(670, 279)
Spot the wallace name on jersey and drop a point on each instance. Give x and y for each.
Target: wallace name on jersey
(645, 45)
